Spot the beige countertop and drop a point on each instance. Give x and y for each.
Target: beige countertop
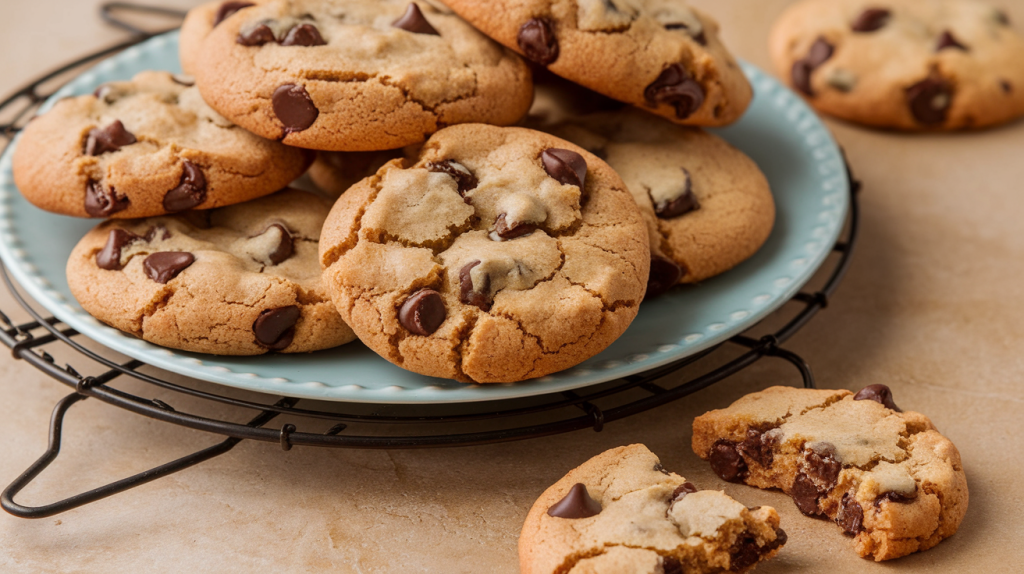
(933, 307)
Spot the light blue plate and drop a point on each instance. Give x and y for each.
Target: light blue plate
(780, 133)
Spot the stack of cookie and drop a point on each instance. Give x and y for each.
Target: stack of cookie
(466, 239)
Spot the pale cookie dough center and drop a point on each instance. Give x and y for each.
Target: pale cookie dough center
(417, 206)
(516, 265)
(665, 183)
(890, 477)
(704, 513)
(605, 15)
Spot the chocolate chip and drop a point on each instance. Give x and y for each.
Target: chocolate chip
(303, 35)
(166, 265)
(758, 447)
(190, 192)
(183, 80)
(821, 465)
(576, 504)
(275, 328)
(881, 394)
(1002, 18)
(805, 495)
(819, 53)
(681, 205)
(726, 461)
(157, 232)
(700, 38)
(414, 21)
(681, 491)
(568, 167)
(111, 138)
(228, 8)
(661, 469)
(930, 99)
(423, 312)
(676, 88)
(850, 516)
(257, 35)
(946, 40)
(110, 256)
(464, 179)
(664, 275)
(1006, 86)
(286, 246)
(467, 294)
(895, 497)
(100, 202)
(744, 553)
(294, 107)
(537, 40)
(671, 565)
(512, 230)
(871, 19)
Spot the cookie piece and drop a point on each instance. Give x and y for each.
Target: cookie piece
(198, 24)
(622, 512)
(333, 172)
(657, 54)
(885, 476)
(357, 75)
(240, 280)
(496, 255)
(903, 64)
(143, 148)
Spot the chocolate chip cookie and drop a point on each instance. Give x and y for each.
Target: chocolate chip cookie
(657, 54)
(142, 148)
(885, 476)
(357, 75)
(239, 280)
(333, 172)
(198, 24)
(495, 255)
(622, 512)
(903, 64)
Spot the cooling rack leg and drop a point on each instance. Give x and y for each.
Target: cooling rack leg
(799, 363)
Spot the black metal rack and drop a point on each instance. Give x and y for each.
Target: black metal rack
(386, 427)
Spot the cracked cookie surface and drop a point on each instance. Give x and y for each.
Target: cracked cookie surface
(660, 55)
(496, 255)
(240, 280)
(904, 64)
(145, 147)
(885, 476)
(357, 75)
(621, 512)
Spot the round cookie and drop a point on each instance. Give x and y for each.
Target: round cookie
(333, 172)
(903, 64)
(240, 280)
(657, 54)
(621, 512)
(496, 255)
(357, 75)
(198, 24)
(143, 148)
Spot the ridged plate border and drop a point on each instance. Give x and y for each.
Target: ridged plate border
(780, 132)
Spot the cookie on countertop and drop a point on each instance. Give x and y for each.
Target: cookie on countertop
(358, 75)
(239, 280)
(146, 147)
(657, 54)
(903, 64)
(333, 172)
(885, 476)
(621, 512)
(496, 255)
(198, 24)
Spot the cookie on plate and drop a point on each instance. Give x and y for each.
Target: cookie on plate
(496, 255)
(357, 75)
(333, 172)
(903, 64)
(198, 24)
(239, 280)
(621, 512)
(146, 147)
(658, 54)
(885, 476)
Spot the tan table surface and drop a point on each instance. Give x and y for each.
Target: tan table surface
(932, 307)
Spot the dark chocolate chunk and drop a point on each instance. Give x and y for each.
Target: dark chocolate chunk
(676, 88)
(183, 80)
(871, 19)
(894, 497)
(576, 504)
(930, 99)
(1002, 18)
(726, 461)
(700, 38)
(821, 465)
(671, 565)
(464, 179)
(568, 167)
(505, 230)
(191, 190)
(256, 36)
(800, 75)
(805, 495)
(946, 40)
(467, 294)
(665, 273)
(100, 202)
(850, 516)
(1006, 86)
(757, 447)
(303, 35)
(819, 53)
(111, 138)
(881, 394)
(423, 312)
(294, 107)
(414, 21)
(681, 491)
(157, 232)
(110, 256)
(228, 8)
(537, 40)
(745, 551)
(275, 328)
(285, 248)
(166, 265)
(681, 205)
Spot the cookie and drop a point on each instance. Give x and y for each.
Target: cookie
(885, 476)
(142, 148)
(495, 255)
(239, 280)
(657, 54)
(903, 64)
(622, 512)
(198, 24)
(333, 172)
(357, 75)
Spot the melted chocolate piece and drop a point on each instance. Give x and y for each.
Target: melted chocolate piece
(1006, 86)
(757, 447)
(681, 205)
(745, 552)
(183, 80)
(681, 491)
(100, 202)
(414, 21)
(820, 464)
(303, 35)
(285, 248)
(423, 312)
(466, 293)
(946, 40)
(166, 265)
(464, 179)
(275, 328)
(567, 167)
(676, 88)
(109, 257)
(881, 394)
(157, 230)
(517, 229)
(664, 275)
(819, 53)
(671, 565)
(726, 461)
(108, 139)
(576, 504)
(805, 495)
(930, 99)
(850, 516)
(699, 38)
(191, 190)
(537, 40)
(256, 36)
(894, 497)
(228, 8)
(871, 19)
(293, 106)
